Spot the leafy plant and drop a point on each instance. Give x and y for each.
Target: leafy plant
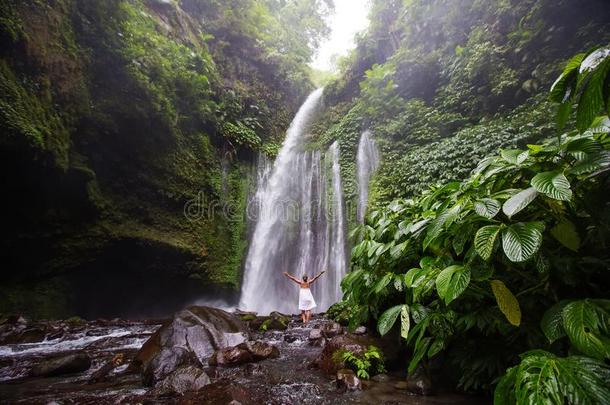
(370, 361)
(543, 378)
(482, 259)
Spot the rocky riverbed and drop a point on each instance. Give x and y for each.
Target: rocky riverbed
(255, 360)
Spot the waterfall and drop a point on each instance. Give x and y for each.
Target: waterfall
(300, 224)
(368, 160)
(335, 231)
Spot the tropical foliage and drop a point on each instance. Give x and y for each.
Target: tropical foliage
(365, 364)
(512, 259)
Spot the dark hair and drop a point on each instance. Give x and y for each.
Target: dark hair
(304, 278)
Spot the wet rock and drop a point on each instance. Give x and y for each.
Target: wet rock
(256, 323)
(419, 382)
(347, 380)
(72, 363)
(381, 378)
(330, 329)
(261, 350)
(244, 353)
(360, 330)
(247, 317)
(315, 334)
(316, 339)
(290, 338)
(223, 392)
(32, 335)
(58, 334)
(274, 324)
(275, 321)
(401, 385)
(189, 339)
(231, 356)
(355, 344)
(182, 380)
(317, 342)
(101, 373)
(253, 369)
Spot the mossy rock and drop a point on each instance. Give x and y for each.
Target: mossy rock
(247, 317)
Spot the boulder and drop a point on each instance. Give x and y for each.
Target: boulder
(275, 321)
(231, 356)
(261, 350)
(347, 380)
(192, 336)
(315, 334)
(360, 330)
(72, 363)
(348, 342)
(330, 329)
(244, 353)
(182, 380)
(419, 382)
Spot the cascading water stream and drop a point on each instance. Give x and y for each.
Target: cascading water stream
(367, 161)
(300, 224)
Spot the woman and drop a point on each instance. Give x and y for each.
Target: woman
(306, 301)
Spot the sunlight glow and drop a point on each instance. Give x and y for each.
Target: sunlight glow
(351, 17)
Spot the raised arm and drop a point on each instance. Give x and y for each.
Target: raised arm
(317, 277)
(293, 278)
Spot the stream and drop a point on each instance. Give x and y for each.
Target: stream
(288, 379)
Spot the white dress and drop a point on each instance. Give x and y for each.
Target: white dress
(306, 301)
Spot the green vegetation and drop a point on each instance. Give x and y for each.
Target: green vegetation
(370, 361)
(117, 114)
(442, 84)
(512, 259)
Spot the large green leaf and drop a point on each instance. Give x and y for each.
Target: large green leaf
(420, 350)
(587, 325)
(504, 394)
(460, 238)
(383, 282)
(451, 282)
(405, 322)
(487, 207)
(553, 184)
(560, 90)
(514, 156)
(442, 221)
(387, 319)
(507, 302)
(552, 321)
(591, 101)
(485, 239)
(519, 201)
(543, 378)
(414, 277)
(521, 241)
(565, 232)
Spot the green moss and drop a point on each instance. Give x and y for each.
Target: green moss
(11, 25)
(39, 301)
(247, 317)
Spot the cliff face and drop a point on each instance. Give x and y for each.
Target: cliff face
(115, 116)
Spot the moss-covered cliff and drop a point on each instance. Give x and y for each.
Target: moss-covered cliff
(128, 132)
(444, 83)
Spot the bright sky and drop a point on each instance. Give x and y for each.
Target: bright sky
(351, 16)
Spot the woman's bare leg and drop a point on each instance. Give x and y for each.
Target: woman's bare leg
(308, 315)
(304, 316)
